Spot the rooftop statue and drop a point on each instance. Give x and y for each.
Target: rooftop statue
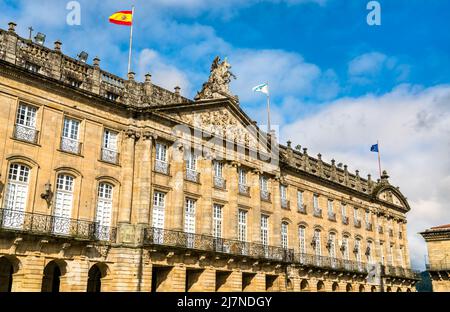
(218, 84)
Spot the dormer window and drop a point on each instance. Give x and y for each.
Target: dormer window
(74, 83)
(111, 96)
(32, 67)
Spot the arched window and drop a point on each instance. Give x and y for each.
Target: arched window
(317, 247)
(320, 286)
(331, 244)
(369, 252)
(362, 288)
(346, 247)
(349, 288)
(16, 196)
(6, 275)
(63, 204)
(302, 242)
(304, 285)
(284, 235)
(94, 279)
(51, 279)
(103, 214)
(335, 286)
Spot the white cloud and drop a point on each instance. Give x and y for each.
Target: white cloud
(365, 68)
(164, 74)
(413, 126)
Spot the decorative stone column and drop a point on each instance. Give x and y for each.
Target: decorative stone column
(125, 228)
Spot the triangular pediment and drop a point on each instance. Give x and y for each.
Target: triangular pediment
(219, 118)
(392, 195)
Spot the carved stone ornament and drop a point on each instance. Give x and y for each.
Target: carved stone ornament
(218, 84)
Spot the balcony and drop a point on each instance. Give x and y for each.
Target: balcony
(70, 146)
(26, 134)
(244, 190)
(345, 220)
(178, 239)
(220, 183)
(110, 156)
(162, 167)
(285, 204)
(318, 212)
(302, 209)
(357, 224)
(369, 226)
(438, 267)
(192, 175)
(265, 196)
(329, 263)
(399, 272)
(332, 216)
(47, 225)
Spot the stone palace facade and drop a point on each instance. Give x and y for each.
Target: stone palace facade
(109, 184)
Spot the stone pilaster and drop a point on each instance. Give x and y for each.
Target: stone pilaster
(177, 169)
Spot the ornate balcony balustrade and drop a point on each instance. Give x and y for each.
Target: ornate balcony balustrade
(302, 209)
(162, 167)
(70, 146)
(220, 183)
(265, 196)
(318, 212)
(330, 263)
(244, 189)
(192, 176)
(285, 204)
(155, 236)
(27, 134)
(40, 224)
(345, 220)
(332, 216)
(399, 272)
(110, 156)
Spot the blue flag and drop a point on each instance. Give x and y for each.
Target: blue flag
(374, 148)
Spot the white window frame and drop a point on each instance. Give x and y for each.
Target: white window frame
(103, 214)
(217, 220)
(218, 169)
(330, 207)
(302, 239)
(71, 129)
(191, 162)
(26, 116)
(264, 184)
(242, 176)
(283, 192)
(284, 235)
(161, 152)
(299, 199)
(316, 202)
(110, 140)
(242, 225)
(343, 210)
(265, 230)
(16, 195)
(64, 197)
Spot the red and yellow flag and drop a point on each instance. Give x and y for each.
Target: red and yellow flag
(122, 18)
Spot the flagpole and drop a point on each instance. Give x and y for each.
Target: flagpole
(379, 158)
(131, 40)
(268, 110)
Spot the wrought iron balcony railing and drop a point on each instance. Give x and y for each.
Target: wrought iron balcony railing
(302, 209)
(244, 189)
(220, 183)
(40, 224)
(399, 272)
(345, 220)
(156, 236)
(110, 156)
(27, 134)
(192, 175)
(162, 167)
(438, 267)
(332, 216)
(330, 263)
(71, 146)
(265, 196)
(285, 204)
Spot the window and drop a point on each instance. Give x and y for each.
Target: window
(111, 96)
(69, 142)
(104, 211)
(32, 67)
(264, 184)
(161, 164)
(25, 128)
(317, 243)
(300, 199)
(283, 195)
(191, 168)
(265, 230)
(189, 216)
(63, 204)
(391, 255)
(217, 221)
(218, 169)
(356, 214)
(368, 217)
(302, 239)
(382, 252)
(400, 256)
(345, 247)
(284, 235)
(343, 210)
(332, 245)
(316, 202)
(109, 149)
(242, 177)
(242, 225)
(330, 207)
(369, 252)
(16, 196)
(158, 217)
(358, 250)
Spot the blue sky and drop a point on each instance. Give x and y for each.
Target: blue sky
(337, 84)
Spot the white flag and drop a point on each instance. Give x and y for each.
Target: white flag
(263, 88)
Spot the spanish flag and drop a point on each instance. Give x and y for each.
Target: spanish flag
(122, 18)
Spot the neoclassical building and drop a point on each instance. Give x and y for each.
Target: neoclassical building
(438, 266)
(109, 184)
